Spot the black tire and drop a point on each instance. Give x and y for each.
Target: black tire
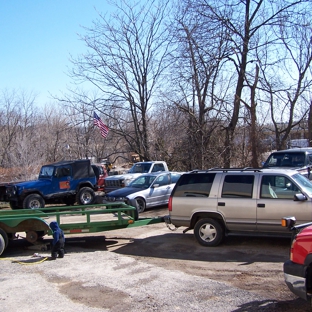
(2, 244)
(140, 204)
(85, 196)
(69, 201)
(5, 237)
(14, 205)
(33, 201)
(208, 232)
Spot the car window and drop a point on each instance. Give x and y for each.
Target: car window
(310, 159)
(175, 177)
(46, 171)
(194, 185)
(238, 186)
(158, 167)
(162, 180)
(142, 182)
(62, 171)
(286, 160)
(277, 186)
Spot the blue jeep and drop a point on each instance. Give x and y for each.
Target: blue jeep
(65, 182)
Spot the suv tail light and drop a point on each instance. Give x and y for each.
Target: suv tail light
(170, 203)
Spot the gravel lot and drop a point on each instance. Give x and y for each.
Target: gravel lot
(148, 268)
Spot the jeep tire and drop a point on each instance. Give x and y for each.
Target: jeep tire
(208, 232)
(85, 196)
(33, 201)
(14, 205)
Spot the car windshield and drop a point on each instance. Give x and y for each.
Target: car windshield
(295, 160)
(46, 172)
(304, 183)
(140, 168)
(142, 182)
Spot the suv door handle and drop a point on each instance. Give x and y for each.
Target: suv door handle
(261, 205)
(221, 204)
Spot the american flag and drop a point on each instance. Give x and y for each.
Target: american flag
(99, 123)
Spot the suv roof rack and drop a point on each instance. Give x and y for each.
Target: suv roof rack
(227, 169)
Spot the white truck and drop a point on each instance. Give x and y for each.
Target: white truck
(118, 181)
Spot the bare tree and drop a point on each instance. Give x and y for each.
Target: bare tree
(245, 23)
(287, 80)
(124, 62)
(200, 50)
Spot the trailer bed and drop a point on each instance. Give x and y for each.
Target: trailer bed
(72, 220)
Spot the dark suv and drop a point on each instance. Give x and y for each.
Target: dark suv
(299, 159)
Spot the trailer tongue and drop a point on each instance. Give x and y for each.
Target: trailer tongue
(72, 220)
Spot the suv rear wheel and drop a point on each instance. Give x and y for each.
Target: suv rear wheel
(208, 232)
(86, 196)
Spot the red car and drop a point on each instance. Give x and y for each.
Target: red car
(298, 270)
(100, 173)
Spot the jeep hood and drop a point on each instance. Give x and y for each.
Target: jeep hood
(32, 184)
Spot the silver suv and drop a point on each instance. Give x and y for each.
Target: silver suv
(220, 202)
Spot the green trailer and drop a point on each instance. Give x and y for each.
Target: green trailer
(72, 220)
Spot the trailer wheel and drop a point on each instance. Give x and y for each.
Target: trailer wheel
(31, 236)
(86, 196)
(33, 201)
(5, 237)
(2, 244)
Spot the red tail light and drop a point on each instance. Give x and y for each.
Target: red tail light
(170, 203)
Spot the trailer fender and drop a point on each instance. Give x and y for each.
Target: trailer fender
(31, 224)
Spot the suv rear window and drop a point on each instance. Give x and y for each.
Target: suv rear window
(238, 186)
(194, 185)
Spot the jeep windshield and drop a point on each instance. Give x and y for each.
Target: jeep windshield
(140, 168)
(304, 183)
(46, 172)
(293, 160)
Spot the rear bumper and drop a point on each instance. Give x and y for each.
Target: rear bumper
(295, 278)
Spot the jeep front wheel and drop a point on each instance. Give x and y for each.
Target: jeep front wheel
(208, 232)
(85, 196)
(33, 201)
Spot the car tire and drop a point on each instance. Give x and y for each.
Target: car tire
(2, 244)
(208, 232)
(13, 205)
(85, 196)
(140, 204)
(33, 201)
(69, 201)
(5, 237)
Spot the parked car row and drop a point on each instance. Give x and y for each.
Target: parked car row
(146, 191)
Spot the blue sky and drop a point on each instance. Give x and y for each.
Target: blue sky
(37, 38)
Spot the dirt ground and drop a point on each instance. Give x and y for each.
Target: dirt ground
(251, 265)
